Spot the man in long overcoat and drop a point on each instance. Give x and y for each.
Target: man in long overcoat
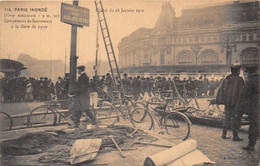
(82, 98)
(229, 95)
(136, 87)
(252, 106)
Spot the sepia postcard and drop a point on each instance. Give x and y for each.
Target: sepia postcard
(128, 82)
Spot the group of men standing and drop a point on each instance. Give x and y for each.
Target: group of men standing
(240, 97)
(22, 89)
(140, 85)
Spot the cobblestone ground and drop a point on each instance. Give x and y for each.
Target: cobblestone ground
(224, 152)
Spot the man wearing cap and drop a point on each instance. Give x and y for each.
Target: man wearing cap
(58, 86)
(126, 83)
(229, 95)
(251, 97)
(82, 98)
(205, 85)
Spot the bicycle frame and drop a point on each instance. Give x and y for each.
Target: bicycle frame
(159, 121)
(164, 114)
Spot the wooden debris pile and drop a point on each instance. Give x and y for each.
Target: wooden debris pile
(44, 142)
(209, 113)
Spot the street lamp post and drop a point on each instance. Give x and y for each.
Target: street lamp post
(228, 44)
(196, 49)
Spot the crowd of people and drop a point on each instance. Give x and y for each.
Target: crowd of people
(22, 89)
(202, 87)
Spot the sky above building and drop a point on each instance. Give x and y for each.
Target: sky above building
(123, 17)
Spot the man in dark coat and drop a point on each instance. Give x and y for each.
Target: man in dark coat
(126, 83)
(252, 106)
(212, 87)
(200, 86)
(205, 85)
(136, 87)
(58, 87)
(82, 98)
(229, 95)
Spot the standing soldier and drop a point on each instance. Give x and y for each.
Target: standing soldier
(109, 83)
(200, 86)
(126, 83)
(252, 106)
(143, 86)
(29, 90)
(212, 86)
(58, 87)
(82, 98)
(51, 89)
(205, 85)
(136, 87)
(146, 85)
(229, 94)
(164, 87)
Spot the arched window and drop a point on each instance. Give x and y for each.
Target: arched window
(185, 57)
(208, 57)
(250, 56)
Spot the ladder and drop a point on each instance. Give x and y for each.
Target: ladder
(109, 47)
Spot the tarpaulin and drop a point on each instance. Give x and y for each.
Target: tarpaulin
(84, 150)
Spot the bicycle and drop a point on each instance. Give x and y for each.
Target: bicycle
(49, 114)
(188, 99)
(110, 111)
(6, 121)
(172, 119)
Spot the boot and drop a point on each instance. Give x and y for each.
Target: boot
(224, 133)
(92, 117)
(249, 148)
(235, 136)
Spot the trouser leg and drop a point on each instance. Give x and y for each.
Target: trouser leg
(253, 129)
(91, 115)
(77, 116)
(236, 119)
(226, 122)
(76, 111)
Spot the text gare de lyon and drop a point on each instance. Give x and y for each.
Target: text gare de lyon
(45, 9)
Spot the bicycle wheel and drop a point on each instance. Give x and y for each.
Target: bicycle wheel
(177, 125)
(42, 116)
(176, 102)
(6, 122)
(141, 118)
(131, 105)
(107, 114)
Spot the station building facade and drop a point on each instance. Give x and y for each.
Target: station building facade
(203, 40)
